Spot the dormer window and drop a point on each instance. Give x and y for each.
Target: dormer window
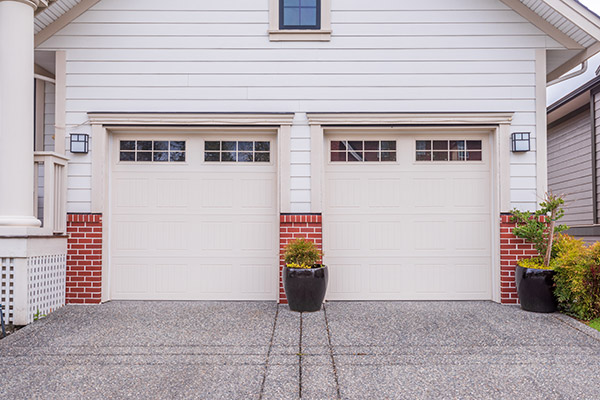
(299, 14)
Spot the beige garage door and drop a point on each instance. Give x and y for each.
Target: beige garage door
(407, 217)
(193, 217)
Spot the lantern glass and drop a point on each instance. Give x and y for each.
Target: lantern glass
(79, 143)
(521, 142)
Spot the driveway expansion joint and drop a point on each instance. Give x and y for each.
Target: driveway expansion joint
(262, 385)
(333, 366)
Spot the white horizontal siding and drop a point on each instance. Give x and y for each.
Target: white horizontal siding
(49, 113)
(395, 56)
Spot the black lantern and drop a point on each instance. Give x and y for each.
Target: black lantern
(520, 142)
(80, 143)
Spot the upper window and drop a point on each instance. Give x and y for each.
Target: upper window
(299, 14)
(448, 150)
(152, 150)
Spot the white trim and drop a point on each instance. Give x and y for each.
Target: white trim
(63, 21)
(317, 168)
(284, 159)
(543, 24)
(541, 122)
(297, 35)
(410, 118)
(573, 62)
(60, 108)
(577, 14)
(140, 119)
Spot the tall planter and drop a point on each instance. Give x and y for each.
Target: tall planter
(535, 289)
(305, 288)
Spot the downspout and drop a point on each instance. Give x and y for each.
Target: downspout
(583, 70)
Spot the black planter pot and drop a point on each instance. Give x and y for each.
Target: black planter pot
(535, 289)
(305, 287)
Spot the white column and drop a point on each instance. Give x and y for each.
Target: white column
(16, 113)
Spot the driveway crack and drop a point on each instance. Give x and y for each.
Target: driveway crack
(335, 374)
(262, 385)
(300, 360)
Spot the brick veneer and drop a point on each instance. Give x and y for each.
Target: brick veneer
(512, 249)
(84, 258)
(293, 226)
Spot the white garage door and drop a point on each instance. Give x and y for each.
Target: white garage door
(408, 217)
(194, 218)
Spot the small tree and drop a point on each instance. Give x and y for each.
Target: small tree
(540, 227)
(302, 253)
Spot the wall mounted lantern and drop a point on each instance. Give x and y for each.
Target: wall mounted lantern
(80, 143)
(520, 142)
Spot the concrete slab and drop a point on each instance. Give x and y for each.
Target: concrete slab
(220, 350)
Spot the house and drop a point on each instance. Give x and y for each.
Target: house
(573, 129)
(179, 145)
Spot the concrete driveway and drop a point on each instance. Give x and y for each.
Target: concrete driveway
(374, 350)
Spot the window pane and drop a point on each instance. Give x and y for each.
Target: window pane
(338, 156)
(212, 156)
(291, 16)
(421, 145)
(231, 146)
(423, 156)
(127, 144)
(262, 146)
(287, 3)
(161, 156)
(245, 146)
(212, 146)
(308, 3)
(355, 156)
(338, 145)
(127, 156)
(144, 145)
(457, 145)
(262, 157)
(440, 145)
(177, 156)
(178, 145)
(144, 155)
(228, 156)
(355, 145)
(161, 145)
(440, 155)
(457, 156)
(244, 157)
(372, 145)
(308, 16)
(388, 156)
(474, 156)
(474, 144)
(388, 145)
(371, 156)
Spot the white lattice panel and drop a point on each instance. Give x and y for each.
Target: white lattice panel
(46, 284)
(7, 279)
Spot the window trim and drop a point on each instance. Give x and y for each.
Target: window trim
(276, 34)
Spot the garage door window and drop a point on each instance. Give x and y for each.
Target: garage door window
(448, 150)
(237, 151)
(152, 150)
(363, 150)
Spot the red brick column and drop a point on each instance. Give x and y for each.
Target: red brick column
(512, 249)
(84, 258)
(293, 226)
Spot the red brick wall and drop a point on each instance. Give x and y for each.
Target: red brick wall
(512, 249)
(84, 258)
(307, 226)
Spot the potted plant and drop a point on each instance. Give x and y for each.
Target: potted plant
(304, 279)
(535, 276)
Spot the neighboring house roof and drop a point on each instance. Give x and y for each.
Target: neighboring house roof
(572, 101)
(568, 22)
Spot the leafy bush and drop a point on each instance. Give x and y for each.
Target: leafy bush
(540, 227)
(577, 277)
(302, 253)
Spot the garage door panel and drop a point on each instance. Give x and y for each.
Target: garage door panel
(407, 229)
(194, 230)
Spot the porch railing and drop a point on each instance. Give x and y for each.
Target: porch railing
(50, 191)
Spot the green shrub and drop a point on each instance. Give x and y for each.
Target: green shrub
(577, 277)
(302, 253)
(540, 227)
